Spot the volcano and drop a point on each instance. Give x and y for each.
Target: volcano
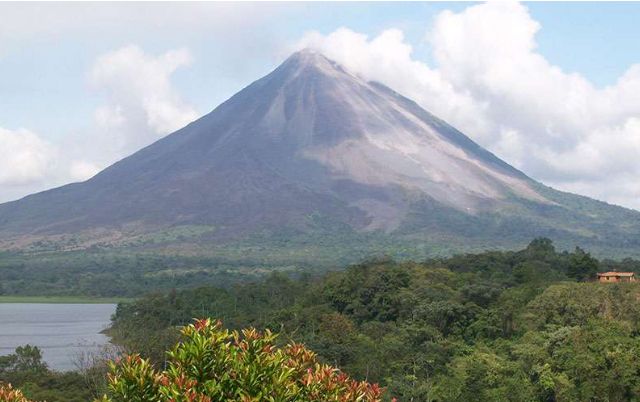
(314, 153)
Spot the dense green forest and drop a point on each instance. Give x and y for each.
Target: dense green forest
(528, 325)
(495, 326)
(121, 274)
(131, 272)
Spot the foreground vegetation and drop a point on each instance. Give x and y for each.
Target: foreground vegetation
(212, 364)
(528, 325)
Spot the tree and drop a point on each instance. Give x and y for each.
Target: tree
(581, 265)
(541, 248)
(25, 363)
(483, 376)
(212, 364)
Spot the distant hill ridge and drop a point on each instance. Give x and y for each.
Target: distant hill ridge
(314, 155)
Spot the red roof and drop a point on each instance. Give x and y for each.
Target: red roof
(616, 274)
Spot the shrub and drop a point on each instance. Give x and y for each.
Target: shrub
(8, 394)
(213, 364)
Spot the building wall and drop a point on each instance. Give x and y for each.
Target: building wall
(614, 279)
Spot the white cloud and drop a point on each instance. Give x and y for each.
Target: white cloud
(489, 81)
(30, 163)
(142, 104)
(81, 170)
(26, 157)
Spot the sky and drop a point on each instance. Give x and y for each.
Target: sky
(552, 88)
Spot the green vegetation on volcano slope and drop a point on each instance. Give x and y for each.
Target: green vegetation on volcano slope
(108, 274)
(495, 326)
(106, 271)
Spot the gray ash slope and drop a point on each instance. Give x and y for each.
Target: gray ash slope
(310, 142)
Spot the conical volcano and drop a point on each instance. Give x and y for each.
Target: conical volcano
(312, 149)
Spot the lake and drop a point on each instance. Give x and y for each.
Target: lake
(61, 331)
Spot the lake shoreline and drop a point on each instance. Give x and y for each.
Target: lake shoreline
(63, 299)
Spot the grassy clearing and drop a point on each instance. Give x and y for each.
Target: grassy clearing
(63, 299)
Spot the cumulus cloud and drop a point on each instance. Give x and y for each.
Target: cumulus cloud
(30, 163)
(142, 104)
(26, 157)
(489, 81)
(81, 170)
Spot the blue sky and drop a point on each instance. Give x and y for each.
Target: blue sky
(49, 87)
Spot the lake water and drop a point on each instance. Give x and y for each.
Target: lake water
(61, 331)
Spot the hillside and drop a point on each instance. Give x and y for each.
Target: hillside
(312, 160)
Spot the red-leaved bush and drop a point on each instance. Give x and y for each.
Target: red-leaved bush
(8, 394)
(215, 364)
